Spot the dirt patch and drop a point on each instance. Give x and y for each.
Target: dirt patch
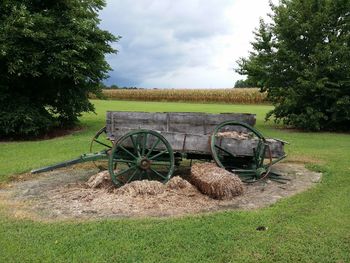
(65, 194)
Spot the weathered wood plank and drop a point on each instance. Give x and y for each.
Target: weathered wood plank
(182, 122)
(245, 147)
(136, 120)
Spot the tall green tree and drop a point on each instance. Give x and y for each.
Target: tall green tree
(302, 59)
(52, 55)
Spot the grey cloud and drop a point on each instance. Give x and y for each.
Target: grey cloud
(161, 36)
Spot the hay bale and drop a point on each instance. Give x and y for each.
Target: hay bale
(177, 182)
(100, 180)
(215, 181)
(144, 187)
(234, 135)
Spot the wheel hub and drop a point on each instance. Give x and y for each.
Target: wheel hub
(144, 163)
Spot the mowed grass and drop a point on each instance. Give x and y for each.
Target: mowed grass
(313, 226)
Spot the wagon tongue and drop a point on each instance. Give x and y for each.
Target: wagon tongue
(87, 157)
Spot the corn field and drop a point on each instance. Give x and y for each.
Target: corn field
(241, 95)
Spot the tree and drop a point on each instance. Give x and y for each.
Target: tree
(302, 59)
(52, 55)
(244, 84)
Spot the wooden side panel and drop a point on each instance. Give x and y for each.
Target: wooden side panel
(135, 120)
(200, 143)
(215, 119)
(181, 142)
(187, 122)
(245, 147)
(183, 122)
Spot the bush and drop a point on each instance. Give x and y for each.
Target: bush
(25, 119)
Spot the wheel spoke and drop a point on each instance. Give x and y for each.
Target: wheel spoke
(153, 147)
(148, 176)
(157, 173)
(132, 176)
(157, 155)
(106, 145)
(123, 161)
(141, 175)
(225, 151)
(125, 171)
(145, 136)
(135, 145)
(138, 143)
(160, 163)
(128, 152)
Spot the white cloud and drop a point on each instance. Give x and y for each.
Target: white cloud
(180, 44)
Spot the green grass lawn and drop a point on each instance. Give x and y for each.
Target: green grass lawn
(310, 227)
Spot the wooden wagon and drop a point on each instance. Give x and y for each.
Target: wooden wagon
(143, 145)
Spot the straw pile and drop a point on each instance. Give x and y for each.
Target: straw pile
(100, 180)
(207, 177)
(215, 181)
(177, 183)
(234, 135)
(144, 187)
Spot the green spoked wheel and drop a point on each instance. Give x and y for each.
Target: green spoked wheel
(249, 168)
(100, 142)
(141, 154)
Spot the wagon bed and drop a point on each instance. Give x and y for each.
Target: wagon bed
(189, 132)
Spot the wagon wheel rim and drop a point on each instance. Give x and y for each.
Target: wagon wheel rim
(216, 149)
(100, 142)
(267, 167)
(141, 154)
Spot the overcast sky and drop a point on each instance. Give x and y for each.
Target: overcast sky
(180, 44)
